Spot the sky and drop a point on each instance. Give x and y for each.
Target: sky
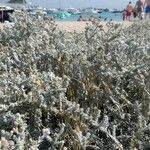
(111, 4)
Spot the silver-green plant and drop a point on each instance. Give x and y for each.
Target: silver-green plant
(64, 90)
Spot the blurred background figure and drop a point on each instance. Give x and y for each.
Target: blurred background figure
(80, 18)
(91, 18)
(124, 15)
(139, 8)
(129, 11)
(134, 13)
(147, 8)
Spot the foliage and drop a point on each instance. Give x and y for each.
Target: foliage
(78, 91)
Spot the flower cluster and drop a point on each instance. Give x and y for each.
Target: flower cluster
(64, 90)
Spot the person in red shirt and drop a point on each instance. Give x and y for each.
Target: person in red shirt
(129, 11)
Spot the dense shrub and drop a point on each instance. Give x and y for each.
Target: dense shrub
(78, 91)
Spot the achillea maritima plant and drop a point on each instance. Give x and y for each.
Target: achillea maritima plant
(74, 91)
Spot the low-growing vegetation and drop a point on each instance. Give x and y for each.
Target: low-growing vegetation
(64, 90)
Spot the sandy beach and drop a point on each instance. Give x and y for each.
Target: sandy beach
(77, 26)
(80, 26)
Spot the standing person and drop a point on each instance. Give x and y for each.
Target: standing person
(147, 8)
(139, 8)
(91, 18)
(80, 18)
(124, 15)
(129, 11)
(134, 13)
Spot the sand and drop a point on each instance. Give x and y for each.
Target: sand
(80, 26)
(77, 26)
